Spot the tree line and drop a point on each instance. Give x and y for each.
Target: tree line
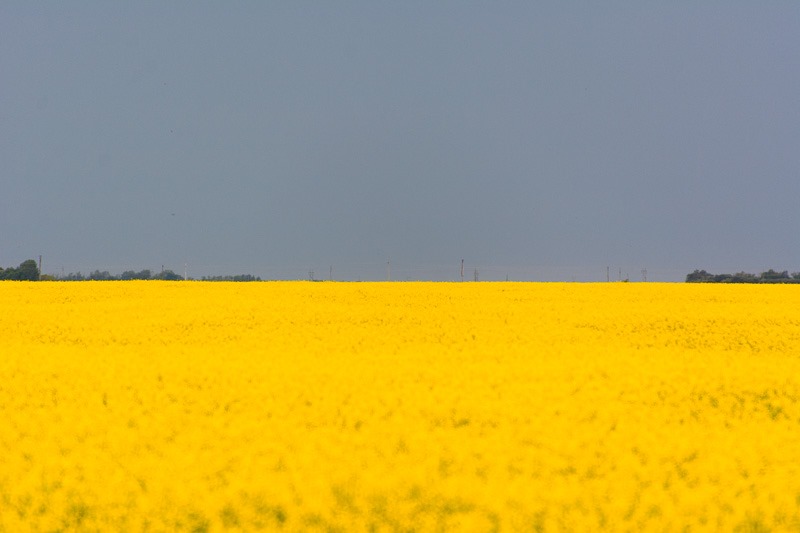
(164, 275)
(26, 271)
(97, 275)
(29, 271)
(770, 276)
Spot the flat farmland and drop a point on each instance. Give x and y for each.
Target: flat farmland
(300, 406)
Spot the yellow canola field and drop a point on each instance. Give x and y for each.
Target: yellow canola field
(299, 406)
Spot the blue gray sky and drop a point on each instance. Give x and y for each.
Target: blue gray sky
(534, 140)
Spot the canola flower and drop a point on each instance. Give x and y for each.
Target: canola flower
(298, 406)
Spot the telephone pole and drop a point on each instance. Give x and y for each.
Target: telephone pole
(462, 270)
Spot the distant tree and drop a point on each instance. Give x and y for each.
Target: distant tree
(26, 271)
(101, 276)
(130, 274)
(743, 277)
(699, 276)
(246, 277)
(238, 277)
(772, 276)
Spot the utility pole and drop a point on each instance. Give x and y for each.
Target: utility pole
(462, 270)
(476, 274)
(644, 274)
(389, 270)
(330, 273)
(608, 274)
(40, 267)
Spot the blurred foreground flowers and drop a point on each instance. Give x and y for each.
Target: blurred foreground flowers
(298, 406)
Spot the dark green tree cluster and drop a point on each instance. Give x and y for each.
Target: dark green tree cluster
(26, 271)
(238, 277)
(97, 275)
(166, 275)
(770, 276)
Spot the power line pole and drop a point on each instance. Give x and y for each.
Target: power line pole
(389, 270)
(462, 270)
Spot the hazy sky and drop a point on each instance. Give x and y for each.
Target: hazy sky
(538, 140)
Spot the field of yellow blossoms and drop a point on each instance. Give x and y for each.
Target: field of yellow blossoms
(300, 406)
